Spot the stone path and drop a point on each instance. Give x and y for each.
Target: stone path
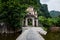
(30, 34)
(33, 35)
(38, 29)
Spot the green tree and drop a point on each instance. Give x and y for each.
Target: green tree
(47, 22)
(12, 12)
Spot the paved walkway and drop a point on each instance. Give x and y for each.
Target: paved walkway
(30, 34)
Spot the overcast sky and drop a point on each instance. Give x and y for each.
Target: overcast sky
(52, 4)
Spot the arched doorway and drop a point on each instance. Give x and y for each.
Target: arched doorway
(29, 22)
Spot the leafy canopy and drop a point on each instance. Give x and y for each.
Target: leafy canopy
(13, 11)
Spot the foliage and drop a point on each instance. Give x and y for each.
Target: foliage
(49, 21)
(12, 12)
(43, 20)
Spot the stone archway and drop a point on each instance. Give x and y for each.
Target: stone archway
(31, 22)
(31, 18)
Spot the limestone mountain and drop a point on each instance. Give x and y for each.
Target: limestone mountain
(54, 13)
(44, 10)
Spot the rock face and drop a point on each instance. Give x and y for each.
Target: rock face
(55, 29)
(4, 28)
(31, 34)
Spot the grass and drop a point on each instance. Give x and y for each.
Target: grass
(52, 36)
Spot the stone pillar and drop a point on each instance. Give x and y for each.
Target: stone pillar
(23, 22)
(37, 22)
(26, 22)
(33, 22)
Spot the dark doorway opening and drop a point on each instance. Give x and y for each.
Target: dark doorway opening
(30, 22)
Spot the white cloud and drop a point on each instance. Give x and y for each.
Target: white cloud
(44, 1)
(53, 4)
